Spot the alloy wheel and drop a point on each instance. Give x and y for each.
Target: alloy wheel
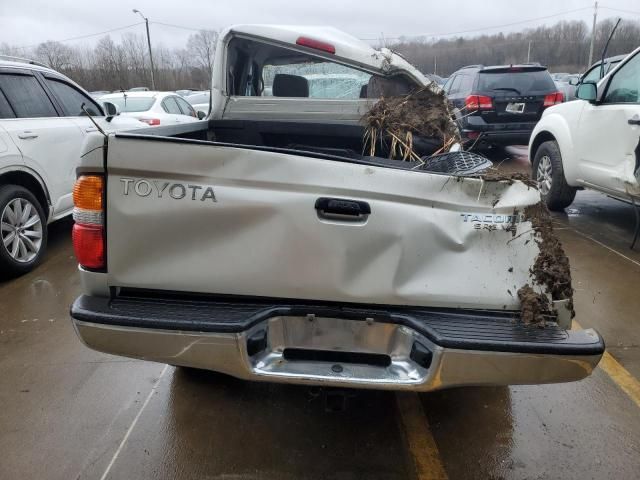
(21, 230)
(544, 175)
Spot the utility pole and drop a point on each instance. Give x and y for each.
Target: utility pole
(529, 53)
(593, 34)
(146, 21)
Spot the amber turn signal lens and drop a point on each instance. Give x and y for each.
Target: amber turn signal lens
(88, 192)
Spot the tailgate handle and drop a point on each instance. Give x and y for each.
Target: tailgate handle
(341, 207)
(27, 135)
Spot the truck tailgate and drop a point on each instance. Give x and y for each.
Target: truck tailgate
(194, 216)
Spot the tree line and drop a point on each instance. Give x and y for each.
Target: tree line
(563, 47)
(111, 65)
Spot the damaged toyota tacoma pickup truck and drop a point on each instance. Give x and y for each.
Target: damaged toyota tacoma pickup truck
(263, 244)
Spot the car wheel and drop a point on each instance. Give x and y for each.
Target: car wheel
(23, 231)
(549, 173)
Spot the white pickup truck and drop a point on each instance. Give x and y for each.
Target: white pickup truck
(261, 244)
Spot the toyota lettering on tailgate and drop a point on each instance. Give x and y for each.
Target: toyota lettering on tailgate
(155, 188)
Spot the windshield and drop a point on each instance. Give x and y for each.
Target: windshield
(519, 83)
(131, 104)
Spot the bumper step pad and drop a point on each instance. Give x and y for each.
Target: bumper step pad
(459, 329)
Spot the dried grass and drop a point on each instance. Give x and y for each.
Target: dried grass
(392, 123)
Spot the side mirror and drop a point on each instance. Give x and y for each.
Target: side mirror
(587, 91)
(201, 115)
(110, 109)
(574, 81)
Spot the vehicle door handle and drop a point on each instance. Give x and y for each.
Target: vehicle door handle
(91, 129)
(339, 208)
(634, 121)
(27, 135)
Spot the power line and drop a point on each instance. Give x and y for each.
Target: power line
(86, 36)
(113, 30)
(484, 28)
(619, 10)
(178, 26)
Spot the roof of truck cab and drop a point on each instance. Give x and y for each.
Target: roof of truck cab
(347, 47)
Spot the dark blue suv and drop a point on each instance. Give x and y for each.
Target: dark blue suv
(501, 104)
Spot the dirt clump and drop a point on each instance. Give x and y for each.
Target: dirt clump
(534, 306)
(551, 268)
(392, 123)
(495, 176)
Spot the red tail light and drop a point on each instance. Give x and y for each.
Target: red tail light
(478, 102)
(553, 99)
(88, 212)
(316, 44)
(88, 244)
(150, 121)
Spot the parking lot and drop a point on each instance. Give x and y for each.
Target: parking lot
(71, 413)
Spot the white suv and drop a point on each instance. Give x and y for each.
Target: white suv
(42, 129)
(592, 142)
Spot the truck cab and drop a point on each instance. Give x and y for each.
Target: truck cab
(306, 74)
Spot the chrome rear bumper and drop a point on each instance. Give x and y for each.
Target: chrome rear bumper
(338, 352)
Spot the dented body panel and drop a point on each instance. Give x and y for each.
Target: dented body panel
(429, 240)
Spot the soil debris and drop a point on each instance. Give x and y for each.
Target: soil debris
(495, 176)
(551, 268)
(392, 123)
(534, 306)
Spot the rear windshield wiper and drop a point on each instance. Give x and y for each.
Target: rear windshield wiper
(508, 89)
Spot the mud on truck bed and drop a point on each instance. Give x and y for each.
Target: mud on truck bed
(277, 251)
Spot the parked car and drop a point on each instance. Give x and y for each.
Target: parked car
(42, 127)
(596, 72)
(568, 91)
(263, 245)
(153, 108)
(501, 104)
(593, 141)
(98, 93)
(186, 92)
(200, 101)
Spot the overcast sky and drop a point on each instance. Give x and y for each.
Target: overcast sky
(28, 22)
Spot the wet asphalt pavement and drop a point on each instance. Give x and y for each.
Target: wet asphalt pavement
(67, 412)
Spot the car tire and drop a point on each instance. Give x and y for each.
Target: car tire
(23, 231)
(548, 172)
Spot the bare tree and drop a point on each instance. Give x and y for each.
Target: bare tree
(202, 47)
(55, 54)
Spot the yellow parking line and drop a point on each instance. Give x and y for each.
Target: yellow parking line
(422, 447)
(620, 375)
